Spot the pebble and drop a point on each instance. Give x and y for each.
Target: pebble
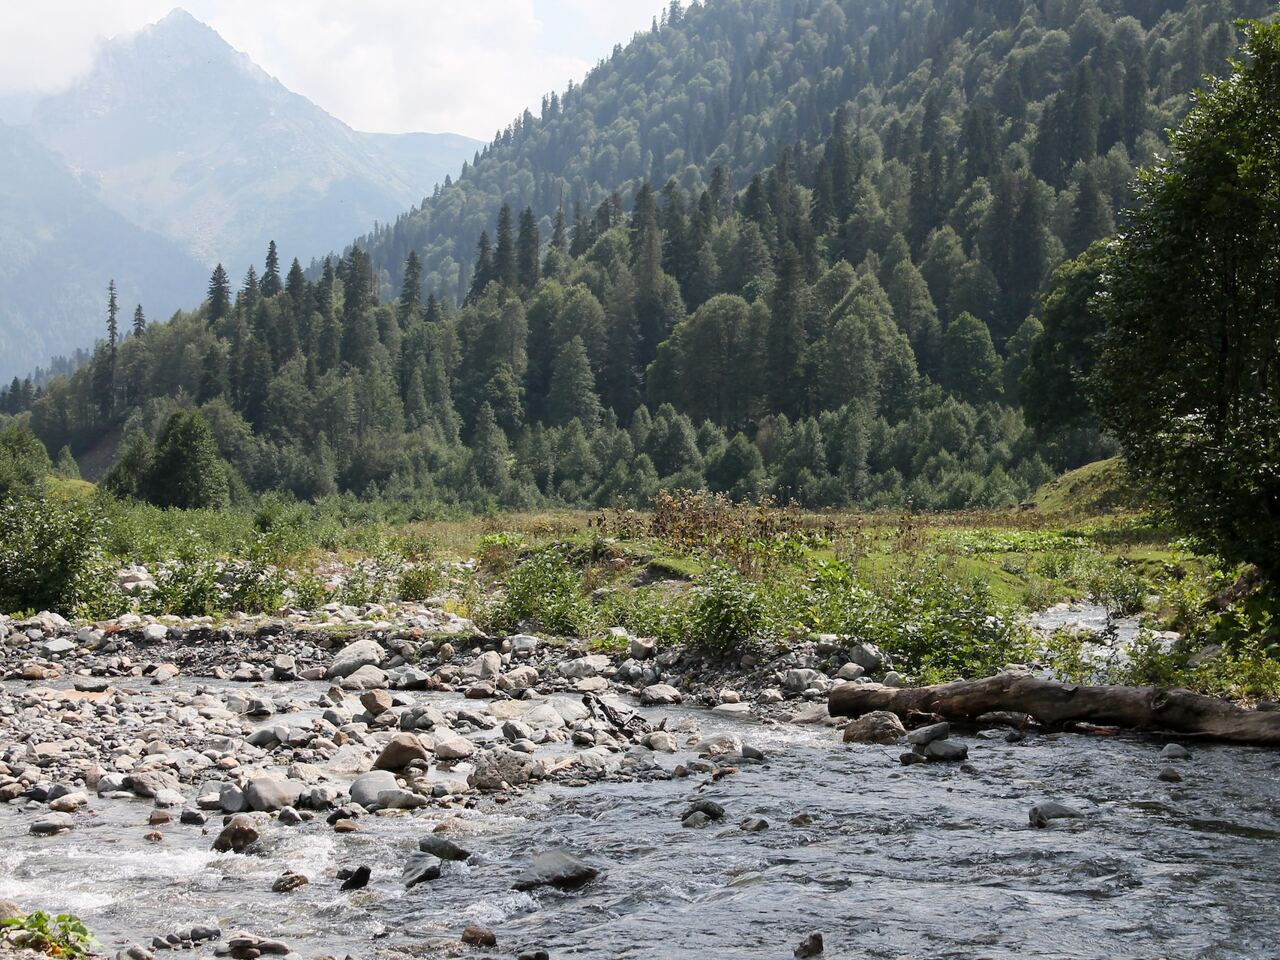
(810, 946)
(478, 936)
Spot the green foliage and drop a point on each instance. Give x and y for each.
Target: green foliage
(546, 589)
(64, 935)
(24, 463)
(1187, 377)
(52, 557)
(418, 582)
(725, 612)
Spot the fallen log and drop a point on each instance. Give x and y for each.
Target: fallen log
(1053, 703)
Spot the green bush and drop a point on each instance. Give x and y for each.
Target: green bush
(725, 612)
(545, 588)
(417, 582)
(52, 558)
(24, 463)
(62, 936)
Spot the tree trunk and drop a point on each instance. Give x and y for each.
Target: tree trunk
(1053, 703)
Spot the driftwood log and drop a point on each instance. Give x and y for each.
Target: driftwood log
(1054, 704)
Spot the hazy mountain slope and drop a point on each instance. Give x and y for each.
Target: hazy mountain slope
(189, 138)
(59, 246)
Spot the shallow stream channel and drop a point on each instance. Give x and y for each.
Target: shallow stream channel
(883, 860)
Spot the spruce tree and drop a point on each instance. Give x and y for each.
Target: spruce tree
(505, 270)
(271, 272)
(139, 321)
(785, 347)
(410, 289)
(528, 267)
(483, 274)
(219, 294)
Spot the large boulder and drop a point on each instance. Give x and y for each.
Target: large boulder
(556, 868)
(488, 664)
(367, 677)
(403, 749)
(237, 836)
(868, 656)
(660, 694)
(366, 787)
(591, 666)
(879, 726)
(272, 793)
(801, 679)
(501, 768)
(354, 656)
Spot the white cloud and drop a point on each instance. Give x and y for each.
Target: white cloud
(467, 66)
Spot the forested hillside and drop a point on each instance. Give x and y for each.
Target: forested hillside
(794, 248)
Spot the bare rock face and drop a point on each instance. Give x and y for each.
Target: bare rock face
(879, 726)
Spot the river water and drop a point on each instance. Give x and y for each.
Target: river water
(884, 860)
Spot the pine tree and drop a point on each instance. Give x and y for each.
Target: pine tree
(113, 326)
(528, 267)
(271, 272)
(484, 274)
(785, 346)
(410, 289)
(219, 294)
(504, 256)
(139, 321)
(295, 285)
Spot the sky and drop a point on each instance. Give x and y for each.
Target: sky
(390, 66)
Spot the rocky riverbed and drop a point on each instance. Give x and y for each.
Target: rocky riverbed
(389, 782)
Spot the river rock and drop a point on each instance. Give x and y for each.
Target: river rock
(237, 836)
(442, 847)
(878, 726)
(660, 741)
(400, 799)
(272, 793)
(69, 802)
(868, 656)
(354, 656)
(582, 667)
(376, 702)
(52, 823)
(357, 879)
(1170, 775)
(944, 751)
(660, 694)
(850, 671)
(419, 868)
(801, 679)
(556, 868)
(488, 664)
(1175, 751)
(1042, 813)
(403, 749)
(367, 677)
(477, 936)
(934, 731)
(366, 787)
(454, 748)
(148, 783)
(501, 768)
(810, 946)
(523, 645)
(289, 881)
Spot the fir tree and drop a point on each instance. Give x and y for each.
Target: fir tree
(528, 267)
(505, 270)
(219, 294)
(270, 285)
(139, 321)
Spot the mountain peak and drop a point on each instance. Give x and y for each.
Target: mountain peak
(181, 28)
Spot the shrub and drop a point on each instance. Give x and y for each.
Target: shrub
(725, 612)
(544, 588)
(24, 463)
(417, 582)
(62, 936)
(52, 558)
